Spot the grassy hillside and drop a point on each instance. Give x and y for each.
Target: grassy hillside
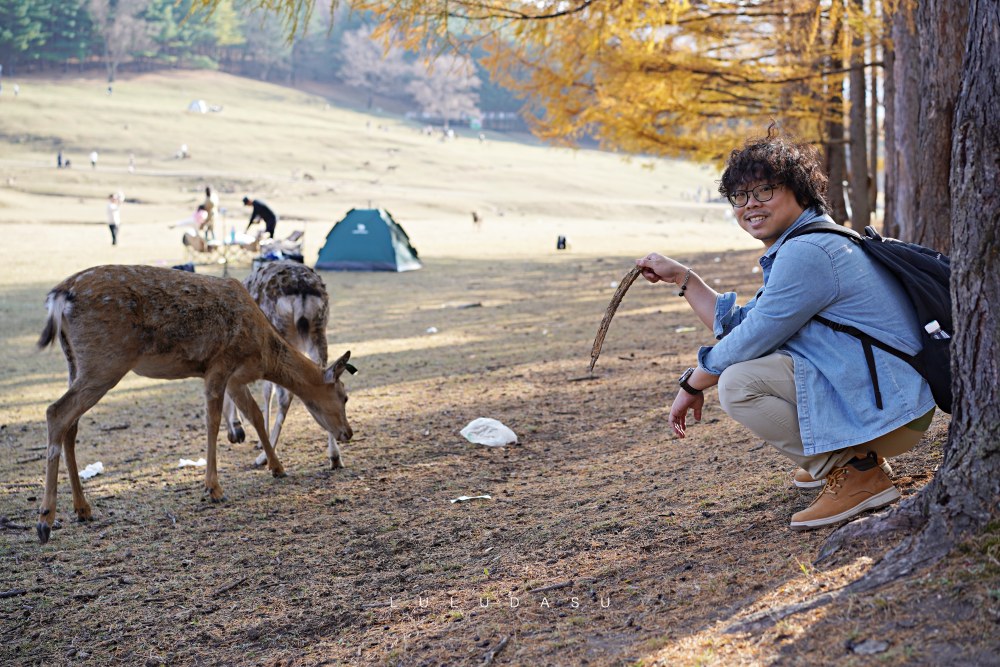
(312, 162)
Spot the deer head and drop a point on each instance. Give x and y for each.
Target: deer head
(329, 406)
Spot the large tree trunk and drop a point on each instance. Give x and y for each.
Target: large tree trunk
(969, 488)
(860, 178)
(873, 72)
(889, 227)
(835, 155)
(941, 66)
(905, 161)
(924, 110)
(965, 493)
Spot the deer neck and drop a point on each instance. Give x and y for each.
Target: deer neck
(293, 370)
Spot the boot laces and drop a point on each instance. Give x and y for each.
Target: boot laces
(833, 482)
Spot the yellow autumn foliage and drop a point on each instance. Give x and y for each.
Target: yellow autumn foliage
(664, 77)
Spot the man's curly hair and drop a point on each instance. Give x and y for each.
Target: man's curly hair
(776, 158)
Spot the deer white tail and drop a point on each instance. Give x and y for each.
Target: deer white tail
(301, 310)
(56, 303)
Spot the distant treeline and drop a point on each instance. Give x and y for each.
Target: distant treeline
(146, 35)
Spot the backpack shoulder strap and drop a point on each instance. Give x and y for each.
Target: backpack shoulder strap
(823, 226)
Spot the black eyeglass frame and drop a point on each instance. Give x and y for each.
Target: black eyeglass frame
(754, 191)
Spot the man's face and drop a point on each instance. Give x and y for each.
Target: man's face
(766, 220)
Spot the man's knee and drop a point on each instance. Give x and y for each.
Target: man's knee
(733, 387)
(747, 381)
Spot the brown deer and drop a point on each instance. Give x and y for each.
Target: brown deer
(294, 299)
(169, 324)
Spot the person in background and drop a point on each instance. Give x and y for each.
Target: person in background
(114, 215)
(799, 385)
(261, 213)
(211, 205)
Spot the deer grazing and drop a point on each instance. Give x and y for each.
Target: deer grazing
(169, 324)
(294, 299)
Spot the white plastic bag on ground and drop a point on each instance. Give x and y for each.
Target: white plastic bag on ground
(184, 463)
(92, 470)
(489, 432)
(462, 499)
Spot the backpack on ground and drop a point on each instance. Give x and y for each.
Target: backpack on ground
(925, 275)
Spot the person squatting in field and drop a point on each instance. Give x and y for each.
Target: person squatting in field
(795, 383)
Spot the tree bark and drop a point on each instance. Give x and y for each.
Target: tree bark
(965, 493)
(873, 73)
(906, 107)
(942, 27)
(970, 475)
(889, 226)
(835, 155)
(927, 72)
(860, 177)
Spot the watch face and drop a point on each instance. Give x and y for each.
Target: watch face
(687, 374)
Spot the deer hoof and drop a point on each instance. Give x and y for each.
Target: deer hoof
(215, 494)
(84, 514)
(261, 459)
(44, 531)
(336, 463)
(236, 434)
(278, 472)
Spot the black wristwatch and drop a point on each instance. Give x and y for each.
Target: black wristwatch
(683, 382)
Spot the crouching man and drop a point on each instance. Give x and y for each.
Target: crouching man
(800, 385)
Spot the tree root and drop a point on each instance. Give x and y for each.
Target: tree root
(940, 529)
(875, 529)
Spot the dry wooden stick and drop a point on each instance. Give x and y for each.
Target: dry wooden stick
(228, 587)
(552, 587)
(488, 658)
(602, 331)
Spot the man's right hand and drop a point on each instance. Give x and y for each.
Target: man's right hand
(655, 268)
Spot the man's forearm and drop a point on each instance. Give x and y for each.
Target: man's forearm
(702, 299)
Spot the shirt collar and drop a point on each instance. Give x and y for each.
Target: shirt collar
(809, 215)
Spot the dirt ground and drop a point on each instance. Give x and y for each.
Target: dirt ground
(604, 541)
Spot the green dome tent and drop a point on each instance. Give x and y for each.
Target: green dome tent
(367, 239)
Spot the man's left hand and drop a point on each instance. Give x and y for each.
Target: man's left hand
(679, 410)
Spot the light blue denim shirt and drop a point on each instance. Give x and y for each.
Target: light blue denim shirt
(830, 275)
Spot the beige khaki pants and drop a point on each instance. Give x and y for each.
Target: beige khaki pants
(760, 394)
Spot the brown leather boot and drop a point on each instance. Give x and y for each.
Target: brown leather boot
(859, 486)
(804, 480)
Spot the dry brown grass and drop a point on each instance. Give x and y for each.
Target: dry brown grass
(647, 547)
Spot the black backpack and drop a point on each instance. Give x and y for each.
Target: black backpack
(925, 275)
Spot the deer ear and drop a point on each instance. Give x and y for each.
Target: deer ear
(338, 367)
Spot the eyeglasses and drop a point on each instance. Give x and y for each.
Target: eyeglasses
(762, 193)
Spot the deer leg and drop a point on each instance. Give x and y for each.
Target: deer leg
(234, 427)
(215, 390)
(284, 402)
(61, 418)
(80, 504)
(333, 451)
(267, 388)
(244, 401)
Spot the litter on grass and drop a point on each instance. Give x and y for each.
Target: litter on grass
(92, 470)
(184, 463)
(462, 499)
(489, 432)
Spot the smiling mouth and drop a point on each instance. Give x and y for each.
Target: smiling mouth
(754, 220)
